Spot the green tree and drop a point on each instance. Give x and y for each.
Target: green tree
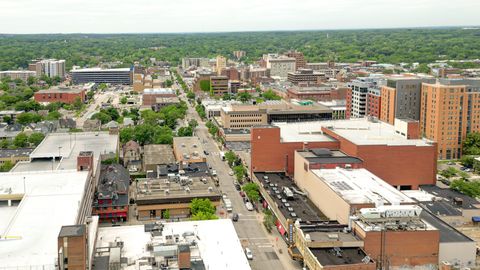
(55, 115)
(270, 95)
(252, 191)
(31, 80)
(36, 138)
(21, 140)
(126, 134)
(103, 117)
(422, 68)
(239, 172)
(6, 166)
(471, 145)
(123, 100)
(90, 94)
(102, 86)
(268, 220)
(467, 161)
(230, 157)
(449, 172)
(193, 123)
(168, 83)
(185, 132)
(28, 117)
(4, 143)
(227, 96)
(244, 97)
(468, 188)
(205, 85)
(190, 95)
(77, 103)
(202, 209)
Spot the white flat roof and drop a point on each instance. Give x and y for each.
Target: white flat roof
(358, 186)
(158, 91)
(68, 146)
(359, 131)
(50, 200)
(218, 243)
(97, 69)
(302, 132)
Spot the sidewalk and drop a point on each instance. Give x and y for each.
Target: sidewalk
(279, 245)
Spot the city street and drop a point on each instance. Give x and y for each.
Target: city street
(269, 250)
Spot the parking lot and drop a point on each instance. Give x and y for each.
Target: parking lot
(295, 206)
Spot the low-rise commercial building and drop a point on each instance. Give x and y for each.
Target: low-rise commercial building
(170, 196)
(60, 94)
(402, 162)
(99, 75)
(149, 96)
(17, 74)
(322, 92)
(305, 76)
(241, 116)
(188, 150)
(155, 155)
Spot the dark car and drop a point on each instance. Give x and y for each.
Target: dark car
(235, 217)
(205, 152)
(238, 187)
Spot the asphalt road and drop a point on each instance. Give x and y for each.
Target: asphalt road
(250, 230)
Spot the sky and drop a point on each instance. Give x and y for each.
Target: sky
(162, 16)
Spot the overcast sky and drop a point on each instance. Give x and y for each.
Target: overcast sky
(160, 16)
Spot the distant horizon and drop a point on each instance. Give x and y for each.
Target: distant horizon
(218, 16)
(474, 27)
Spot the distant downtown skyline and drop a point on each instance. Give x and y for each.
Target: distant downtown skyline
(161, 16)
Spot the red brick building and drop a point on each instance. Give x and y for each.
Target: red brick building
(374, 104)
(404, 163)
(348, 99)
(60, 94)
(111, 195)
(149, 97)
(232, 73)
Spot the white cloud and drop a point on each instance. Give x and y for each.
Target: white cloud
(120, 16)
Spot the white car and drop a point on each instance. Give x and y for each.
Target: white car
(230, 173)
(249, 254)
(249, 206)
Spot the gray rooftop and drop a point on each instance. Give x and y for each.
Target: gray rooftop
(448, 234)
(20, 152)
(158, 154)
(72, 230)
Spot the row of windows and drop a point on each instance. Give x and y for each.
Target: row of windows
(246, 115)
(246, 120)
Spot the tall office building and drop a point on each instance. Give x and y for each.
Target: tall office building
(299, 59)
(450, 109)
(98, 75)
(221, 64)
(400, 98)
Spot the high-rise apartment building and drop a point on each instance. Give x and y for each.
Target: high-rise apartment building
(49, 67)
(239, 54)
(400, 98)
(357, 96)
(299, 59)
(450, 109)
(221, 64)
(195, 62)
(281, 66)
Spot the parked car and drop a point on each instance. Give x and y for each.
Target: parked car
(249, 254)
(238, 187)
(242, 194)
(249, 206)
(450, 163)
(205, 152)
(235, 217)
(230, 173)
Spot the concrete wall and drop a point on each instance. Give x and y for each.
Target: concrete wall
(463, 254)
(332, 205)
(412, 248)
